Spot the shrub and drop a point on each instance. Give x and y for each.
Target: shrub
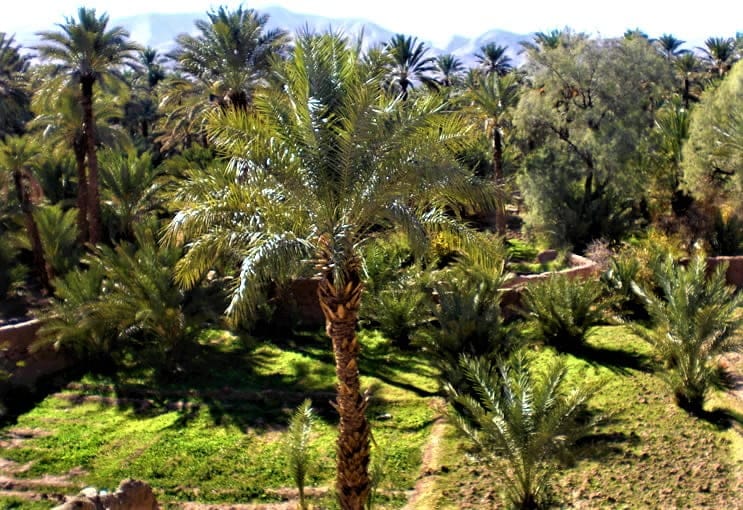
(696, 319)
(467, 320)
(398, 311)
(524, 418)
(564, 311)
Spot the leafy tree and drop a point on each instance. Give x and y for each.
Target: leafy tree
(713, 156)
(409, 64)
(582, 135)
(14, 95)
(87, 53)
(317, 170)
(18, 156)
(528, 419)
(695, 319)
(493, 59)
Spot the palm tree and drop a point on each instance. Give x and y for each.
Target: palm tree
(493, 59)
(670, 47)
(409, 64)
(512, 412)
(490, 99)
(88, 53)
(232, 55)
(130, 183)
(696, 319)
(60, 121)
(14, 97)
(719, 53)
(688, 66)
(17, 157)
(449, 69)
(318, 169)
(140, 111)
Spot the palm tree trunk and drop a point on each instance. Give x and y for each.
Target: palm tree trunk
(498, 177)
(94, 201)
(43, 270)
(82, 192)
(341, 307)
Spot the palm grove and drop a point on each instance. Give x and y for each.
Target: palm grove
(138, 186)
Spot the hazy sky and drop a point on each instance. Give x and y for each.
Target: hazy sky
(423, 19)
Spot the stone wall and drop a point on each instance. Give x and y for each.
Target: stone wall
(734, 273)
(27, 365)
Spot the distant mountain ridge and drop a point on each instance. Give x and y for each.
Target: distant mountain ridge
(160, 30)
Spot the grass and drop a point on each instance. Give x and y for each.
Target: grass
(215, 434)
(651, 454)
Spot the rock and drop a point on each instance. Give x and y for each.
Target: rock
(131, 495)
(546, 256)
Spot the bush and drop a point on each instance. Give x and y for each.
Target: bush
(564, 311)
(467, 320)
(696, 319)
(525, 418)
(398, 311)
(727, 236)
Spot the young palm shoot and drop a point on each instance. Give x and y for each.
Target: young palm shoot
(515, 415)
(298, 447)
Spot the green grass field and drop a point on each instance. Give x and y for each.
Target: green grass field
(215, 434)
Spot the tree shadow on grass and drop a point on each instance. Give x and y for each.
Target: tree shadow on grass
(616, 360)
(234, 384)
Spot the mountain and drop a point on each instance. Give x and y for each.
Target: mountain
(160, 30)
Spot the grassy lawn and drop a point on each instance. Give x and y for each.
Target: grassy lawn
(215, 434)
(650, 454)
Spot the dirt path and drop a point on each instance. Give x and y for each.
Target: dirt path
(422, 497)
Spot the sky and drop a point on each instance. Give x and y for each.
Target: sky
(421, 18)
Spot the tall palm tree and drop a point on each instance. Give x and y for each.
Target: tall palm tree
(87, 53)
(449, 69)
(140, 111)
(17, 157)
(409, 64)
(719, 54)
(232, 54)
(60, 121)
(493, 59)
(14, 96)
(670, 46)
(318, 169)
(490, 99)
(688, 66)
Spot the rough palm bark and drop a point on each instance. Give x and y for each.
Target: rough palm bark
(79, 149)
(41, 267)
(94, 202)
(341, 307)
(498, 177)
